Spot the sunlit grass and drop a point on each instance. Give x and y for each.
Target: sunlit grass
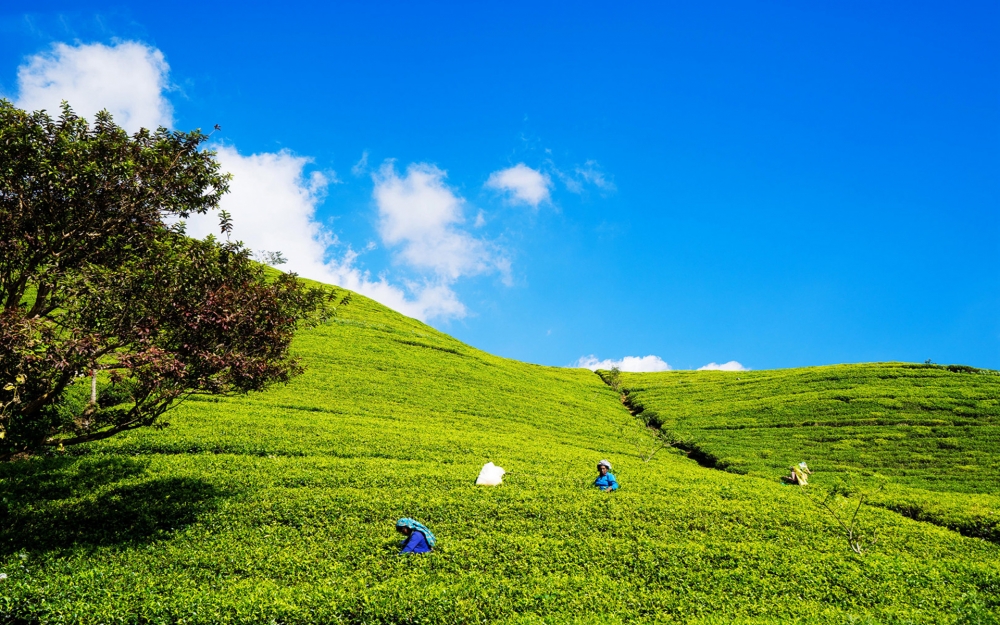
(280, 507)
(929, 433)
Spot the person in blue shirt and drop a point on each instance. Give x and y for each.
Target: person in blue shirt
(605, 481)
(419, 539)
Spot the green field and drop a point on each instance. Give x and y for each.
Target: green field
(279, 507)
(929, 434)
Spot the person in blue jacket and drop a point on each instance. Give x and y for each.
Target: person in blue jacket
(605, 481)
(419, 539)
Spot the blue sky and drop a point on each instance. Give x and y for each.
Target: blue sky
(769, 183)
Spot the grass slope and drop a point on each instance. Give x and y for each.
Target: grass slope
(279, 508)
(931, 433)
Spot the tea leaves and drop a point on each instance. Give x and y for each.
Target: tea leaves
(279, 507)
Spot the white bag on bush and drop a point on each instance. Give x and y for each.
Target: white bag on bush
(491, 475)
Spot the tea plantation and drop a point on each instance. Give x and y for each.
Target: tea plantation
(279, 507)
(929, 435)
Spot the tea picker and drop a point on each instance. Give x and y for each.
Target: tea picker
(605, 481)
(419, 539)
(800, 473)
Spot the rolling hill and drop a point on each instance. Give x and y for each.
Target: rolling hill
(279, 507)
(928, 435)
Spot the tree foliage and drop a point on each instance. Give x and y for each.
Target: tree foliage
(94, 283)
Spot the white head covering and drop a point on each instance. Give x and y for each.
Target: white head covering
(605, 463)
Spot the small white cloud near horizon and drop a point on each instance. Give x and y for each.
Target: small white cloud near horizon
(632, 364)
(523, 184)
(127, 78)
(732, 365)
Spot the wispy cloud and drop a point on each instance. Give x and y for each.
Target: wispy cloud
(522, 184)
(732, 365)
(590, 173)
(128, 79)
(361, 167)
(635, 364)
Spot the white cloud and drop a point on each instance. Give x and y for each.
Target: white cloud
(127, 78)
(273, 203)
(427, 300)
(732, 365)
(524, 184)
(272, 199)
(635, 364)
(419, 213)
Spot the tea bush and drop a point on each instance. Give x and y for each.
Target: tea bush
(279, 508)
(932, 432)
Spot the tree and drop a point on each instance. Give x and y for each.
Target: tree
(94, 284)
(838, 504)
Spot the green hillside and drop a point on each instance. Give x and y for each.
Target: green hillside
(279, 508)
(930, 434)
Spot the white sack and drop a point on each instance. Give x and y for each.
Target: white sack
(491, 475)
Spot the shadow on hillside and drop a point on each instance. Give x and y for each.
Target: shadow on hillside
(58, 503)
